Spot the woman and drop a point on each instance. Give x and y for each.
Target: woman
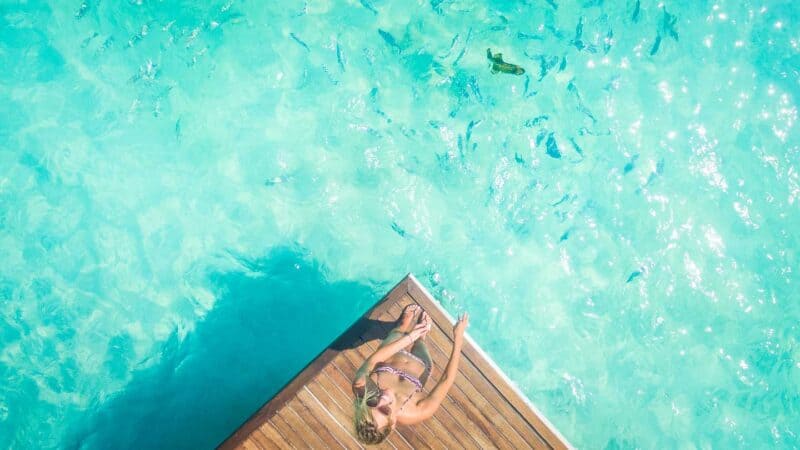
(388, 386)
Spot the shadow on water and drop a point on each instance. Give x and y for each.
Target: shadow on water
(261, 332)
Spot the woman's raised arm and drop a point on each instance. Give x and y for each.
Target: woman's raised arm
(428, 406)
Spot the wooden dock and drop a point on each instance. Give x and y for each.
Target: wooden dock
(315, 409)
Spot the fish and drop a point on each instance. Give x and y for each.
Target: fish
(561, 200)
(666, 28)
(529, 37)
(463, 50)
(498, 65)
(329, 74)
(297, 39)
(545, 64)
(630, 165)
(178, 130)
(390, 40)
(608, 41)
(501, 27)
(86, 41)
(302, 12)
(552, 4)
(552, 146)
(633, 275)
(368, 6)
(656, 45)
(340, 56)
(540, 137)
(453, 43)
(575, 145)
(668, 22)
(581, 106)
(472, 124)
(82, 11)
(536, 120)
(636, 10)
(577, 41)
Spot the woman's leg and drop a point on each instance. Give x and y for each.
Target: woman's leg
(420, 350)
(405, 323)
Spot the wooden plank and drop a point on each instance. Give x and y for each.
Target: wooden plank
(289, 435)
(300, 424)
(314, 416)
(258, 440)
(268, 430)
(337, 423)
(249, 444)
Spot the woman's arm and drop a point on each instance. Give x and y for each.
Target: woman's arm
(428, 406)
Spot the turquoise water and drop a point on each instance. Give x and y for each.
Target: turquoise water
(194, 200)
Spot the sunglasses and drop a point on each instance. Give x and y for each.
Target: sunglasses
(373, 402)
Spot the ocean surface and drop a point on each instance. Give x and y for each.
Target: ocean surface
(197, 197)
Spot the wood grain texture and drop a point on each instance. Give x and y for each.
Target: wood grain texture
(315, 409)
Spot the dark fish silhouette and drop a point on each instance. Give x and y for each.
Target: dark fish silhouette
(82, 11)
(636, 10)
(668, 22)
(390, 41)
(340, 56)
(666, 28)
(577, 147)
(577, 41)
(299, 41)
(529, 37)
(552, 147)
(633, 275)
(656, 45)
(368, 6)
(498, 65)
(536, 121)
(608, 41)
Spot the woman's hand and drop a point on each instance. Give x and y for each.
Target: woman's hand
(419, 331)
(460, 326)
(422, 328)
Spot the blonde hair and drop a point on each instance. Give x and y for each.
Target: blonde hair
(366, 430)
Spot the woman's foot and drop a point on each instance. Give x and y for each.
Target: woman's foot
(425, 319)
(406, 321)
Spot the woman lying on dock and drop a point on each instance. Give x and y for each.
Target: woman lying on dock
(388, 386)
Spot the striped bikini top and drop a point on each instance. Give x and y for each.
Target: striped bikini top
(402, 374)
